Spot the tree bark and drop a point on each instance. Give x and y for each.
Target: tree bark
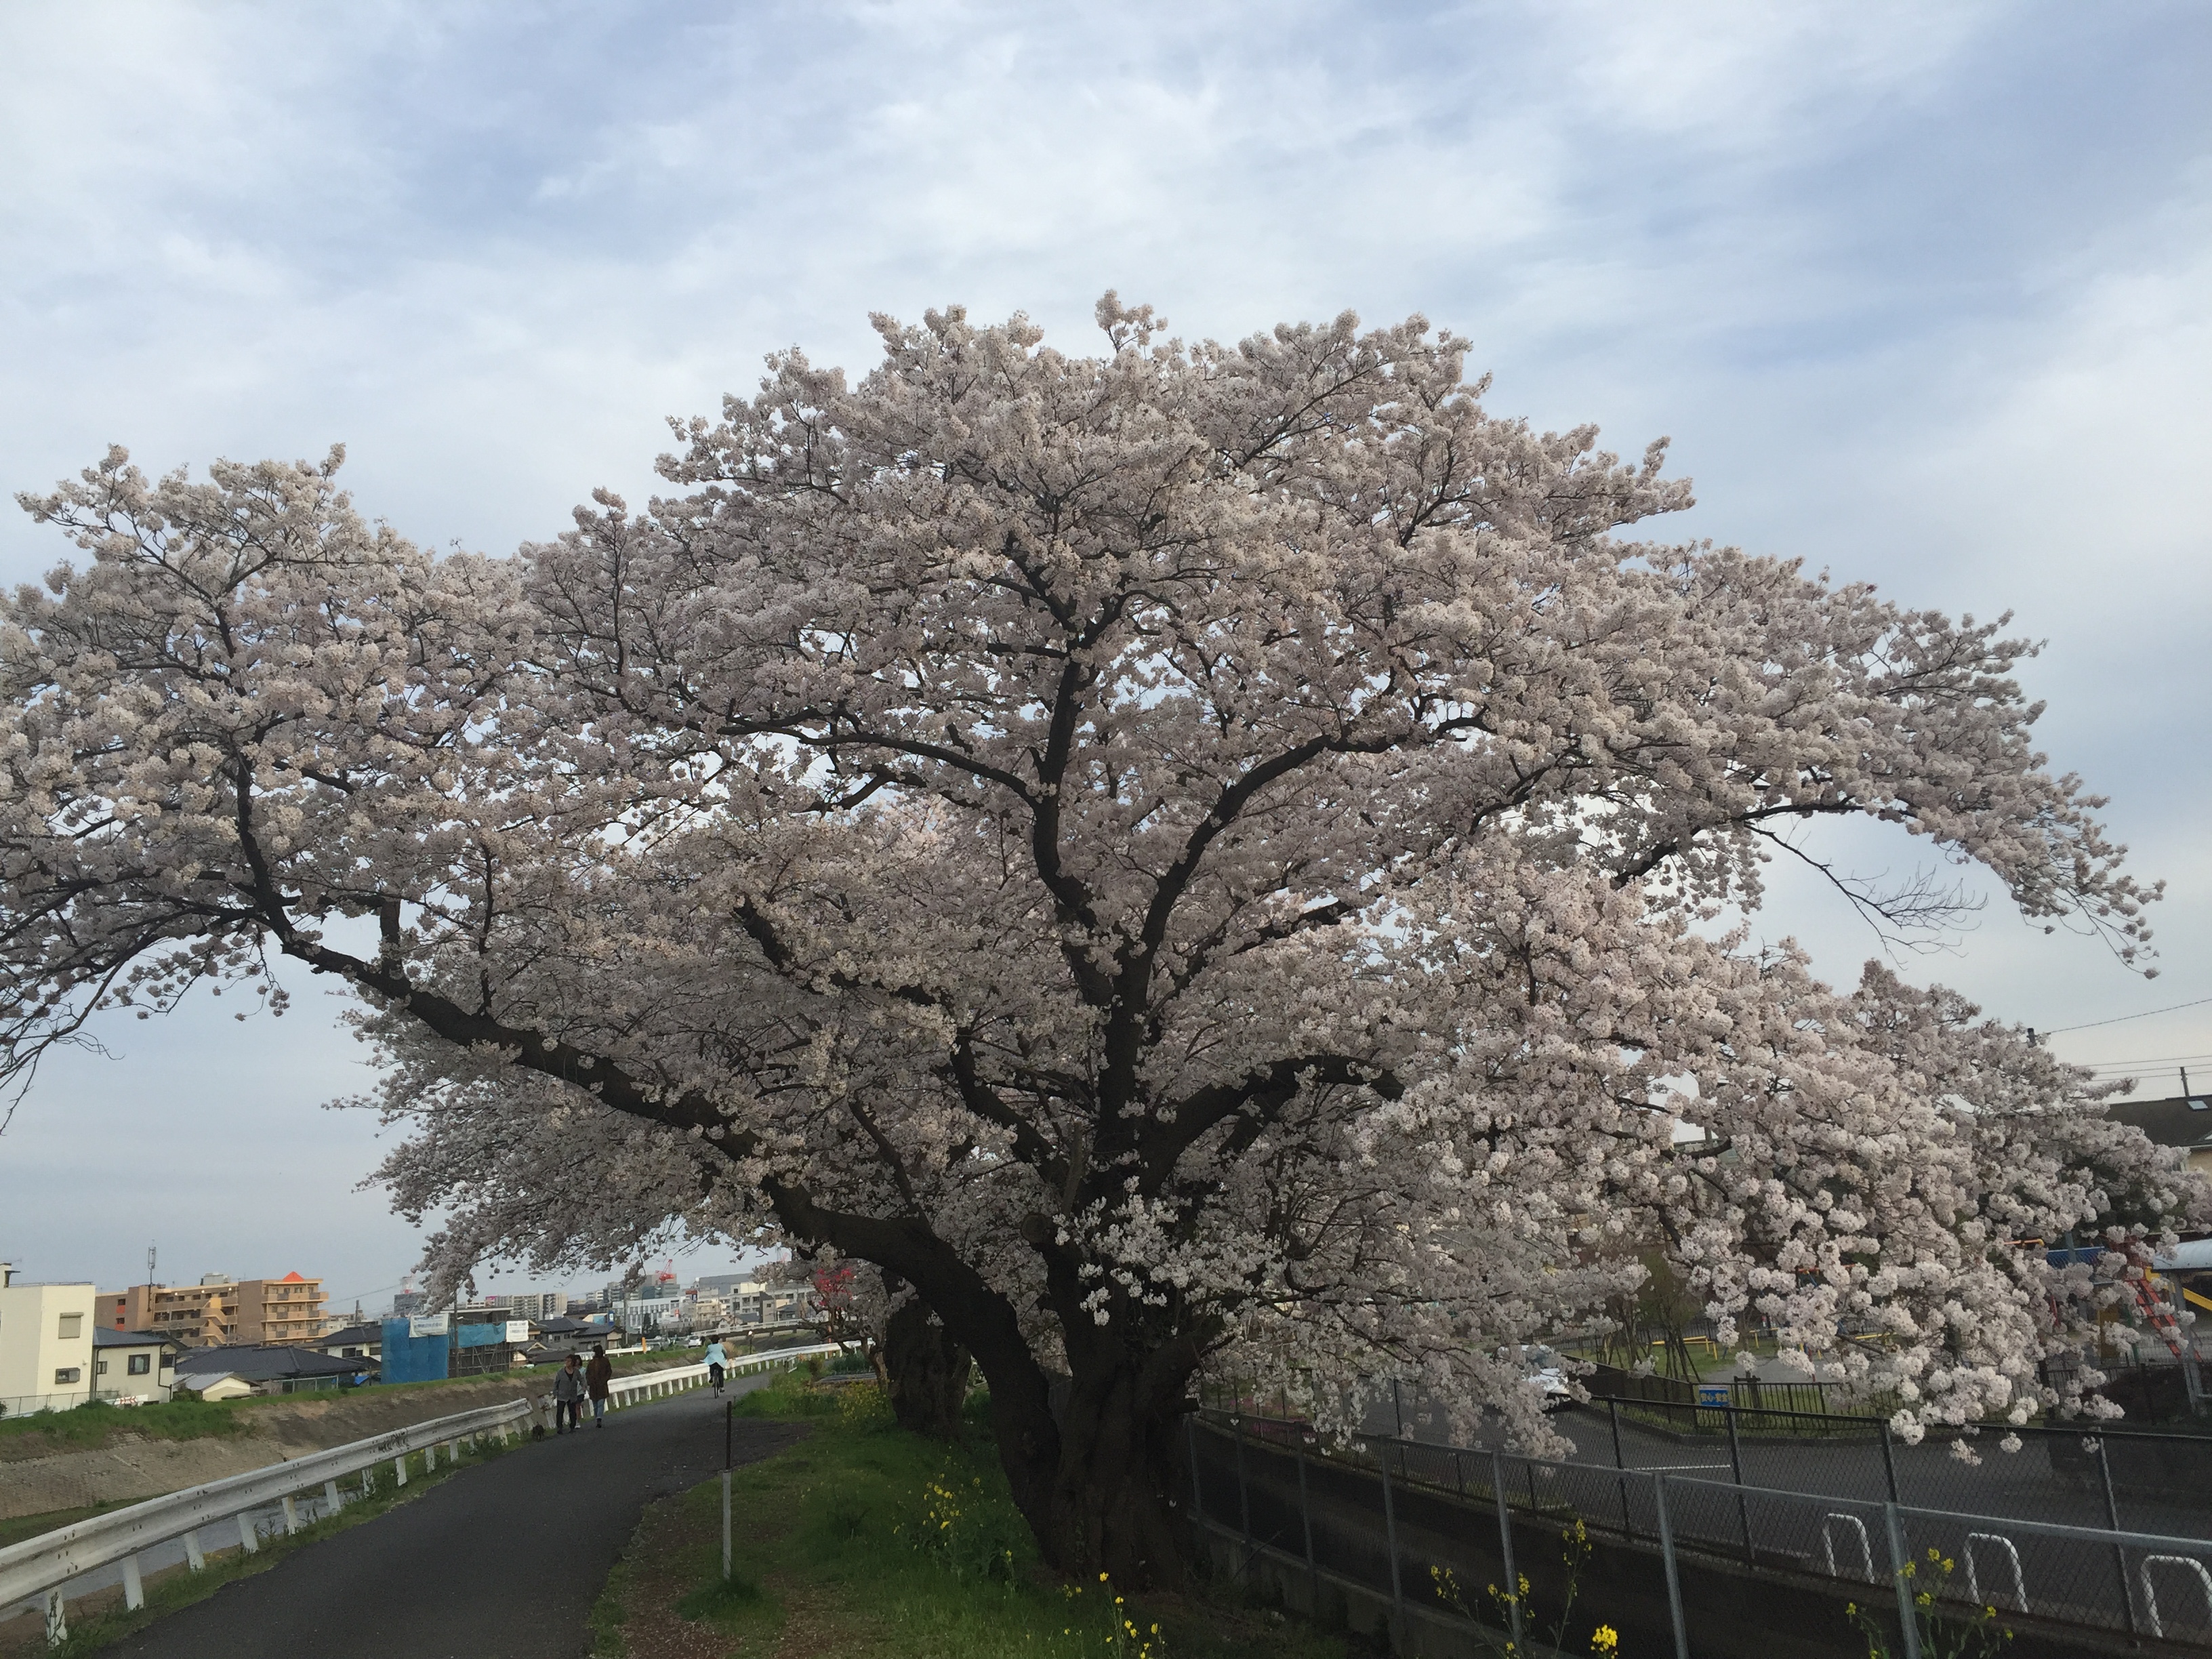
(1117, 1503)
(926, 1371)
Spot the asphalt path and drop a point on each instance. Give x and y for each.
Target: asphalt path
(503, 1561)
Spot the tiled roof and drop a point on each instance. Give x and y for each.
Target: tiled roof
(2179, 1121)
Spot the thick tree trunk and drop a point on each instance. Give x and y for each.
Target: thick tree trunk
(1117, 1490)
(924, 1371)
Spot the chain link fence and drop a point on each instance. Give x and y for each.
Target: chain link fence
(1691, 1558)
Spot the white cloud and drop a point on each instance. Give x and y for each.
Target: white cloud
(1920, 292)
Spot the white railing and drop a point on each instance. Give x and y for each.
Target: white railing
(674, 1379)
(42, 1566)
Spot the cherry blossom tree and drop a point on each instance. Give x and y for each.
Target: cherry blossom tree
(1190, 846)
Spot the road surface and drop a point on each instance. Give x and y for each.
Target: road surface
(503, 1561)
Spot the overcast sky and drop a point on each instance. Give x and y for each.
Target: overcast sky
(1923, 294)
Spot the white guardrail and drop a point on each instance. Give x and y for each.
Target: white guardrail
(43, 1565)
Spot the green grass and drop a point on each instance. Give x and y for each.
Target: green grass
(864, 1539)
(97, 1424)
(178, 1587)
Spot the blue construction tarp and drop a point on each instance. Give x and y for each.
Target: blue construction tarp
(415, 1358)
(481, 1336)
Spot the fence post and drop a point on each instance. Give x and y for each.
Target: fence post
(1735, 1468)
(1505, 1544)
(1243, 1496)
(726, 1525)
(1908, 1621)
(1612, 1411)
(2112, 1520)
(1888, 1461)
(1305, 1520)
(1390, 1532)
(1398, 1407)
(1197, 1498)
(1667, 1559)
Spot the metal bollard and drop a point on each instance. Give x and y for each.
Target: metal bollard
(1390, 1530)
(1505, 1544)
(1910, 1638)
(1674, 1575)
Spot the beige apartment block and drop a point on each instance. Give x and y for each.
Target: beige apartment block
(46, 1346)
(287, 1309)
(219, 1312)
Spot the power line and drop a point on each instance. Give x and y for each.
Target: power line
(2122, 1065)
(2121, 1019)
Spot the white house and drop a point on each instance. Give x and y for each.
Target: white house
(46, 1344)
(133, 1368)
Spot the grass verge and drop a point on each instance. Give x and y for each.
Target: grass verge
(98, 1620)
(863, 1539)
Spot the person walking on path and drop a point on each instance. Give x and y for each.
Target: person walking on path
(715, 1360)
(569, 1397)
(598, 1378)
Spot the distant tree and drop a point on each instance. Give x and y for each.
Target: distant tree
(1195, 846)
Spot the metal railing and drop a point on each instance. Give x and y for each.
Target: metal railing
(675, 1379)
(1406, 1523)
(41, 1566)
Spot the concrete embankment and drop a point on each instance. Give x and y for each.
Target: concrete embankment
(36, 1480)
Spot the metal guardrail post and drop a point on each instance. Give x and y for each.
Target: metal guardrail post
(1305, 1520)
(1888, 1460)
(2112, 1519)
(1673, 1574)
(1197, 1495)
(1505, 1544)
(1390, 1531)
(1612, 1411)
(1908, 1618)
(1735, 1468)
(1244, 1494)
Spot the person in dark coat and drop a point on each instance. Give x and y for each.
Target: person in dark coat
(599, 1379)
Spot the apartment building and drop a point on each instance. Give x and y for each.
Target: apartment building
(46, 1344)
(220, 1311)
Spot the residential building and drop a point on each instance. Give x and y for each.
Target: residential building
(220, 1310)
(201, 1315)
(359, 1341)
(46, 1344)
(2183, 1121)
(287, 1309)
(273, 1368)
(133, 1368)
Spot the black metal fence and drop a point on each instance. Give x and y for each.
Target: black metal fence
(1721, 1557)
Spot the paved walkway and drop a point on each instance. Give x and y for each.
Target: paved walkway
(503, 1561)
